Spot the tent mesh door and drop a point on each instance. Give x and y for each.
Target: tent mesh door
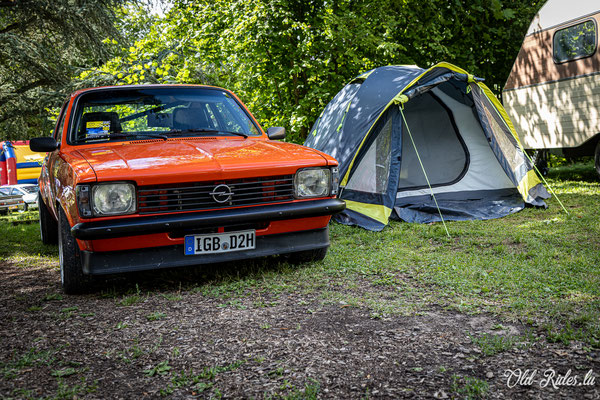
(373, 173)
(442, 150)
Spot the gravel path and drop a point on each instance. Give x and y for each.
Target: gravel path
(183, 344)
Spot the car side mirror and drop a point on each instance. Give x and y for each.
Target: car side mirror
(43, 144)
(276, 133)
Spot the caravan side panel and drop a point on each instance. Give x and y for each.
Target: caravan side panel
(556, 114)
(554, 104)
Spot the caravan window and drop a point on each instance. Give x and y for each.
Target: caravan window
(575, 42)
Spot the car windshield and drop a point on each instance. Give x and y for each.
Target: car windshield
(30, 189)
(125, 114)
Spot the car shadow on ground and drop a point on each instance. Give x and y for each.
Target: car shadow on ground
(185, 278)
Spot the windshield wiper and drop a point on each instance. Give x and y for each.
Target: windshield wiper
(122, 135)
(202, 130)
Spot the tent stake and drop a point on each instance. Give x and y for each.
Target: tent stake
(423, 168)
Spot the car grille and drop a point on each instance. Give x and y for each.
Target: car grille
(217, 194)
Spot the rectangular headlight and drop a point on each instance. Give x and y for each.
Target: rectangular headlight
(113, 199)
(312, 182)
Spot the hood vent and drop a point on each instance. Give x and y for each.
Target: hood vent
(177, 139)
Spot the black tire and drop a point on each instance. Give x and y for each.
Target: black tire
(301, 257)
(597, 158)
(73, 280)
(540, 158)
(48, 225)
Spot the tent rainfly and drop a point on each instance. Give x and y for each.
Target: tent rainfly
(424, 146)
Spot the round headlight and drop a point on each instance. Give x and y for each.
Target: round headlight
(113, 199)
(313, 182)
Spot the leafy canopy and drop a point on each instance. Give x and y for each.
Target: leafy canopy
(286, 59)
(44, 44)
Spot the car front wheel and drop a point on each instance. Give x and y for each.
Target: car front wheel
(73, 280)
(301, 257)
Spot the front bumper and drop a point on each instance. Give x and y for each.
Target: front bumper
(113, 262)
(31, 204)
(168, 223)
(12, 207)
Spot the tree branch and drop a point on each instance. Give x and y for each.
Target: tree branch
(32, 85)
(16, 25)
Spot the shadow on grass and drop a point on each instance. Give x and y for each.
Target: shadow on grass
(193, 277)
(43, 279)
(29, 266)
(579, 171)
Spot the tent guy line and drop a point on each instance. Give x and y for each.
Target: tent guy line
(401, 107)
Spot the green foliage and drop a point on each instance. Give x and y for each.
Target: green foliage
(161, 368)
(494, 344)
(64, 372)
(155, 316)
(469, 387)
(76, 391)
(287, 59)
(43, 46)
(132, 298)
(33, 357)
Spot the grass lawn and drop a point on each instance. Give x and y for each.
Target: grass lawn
(536, 266)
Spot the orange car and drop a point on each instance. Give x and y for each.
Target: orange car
(156, 176)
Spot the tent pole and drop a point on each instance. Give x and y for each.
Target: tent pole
(423, 168)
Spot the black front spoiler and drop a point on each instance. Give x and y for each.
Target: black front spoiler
(168, 223)
(116, 262)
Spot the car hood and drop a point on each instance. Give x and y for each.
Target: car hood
(30, 197)
(194, 160)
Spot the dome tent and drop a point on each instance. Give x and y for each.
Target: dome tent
(421, 144)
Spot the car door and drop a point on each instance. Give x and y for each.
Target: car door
(50, 165)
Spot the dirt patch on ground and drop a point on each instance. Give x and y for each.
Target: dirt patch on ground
(182, 344)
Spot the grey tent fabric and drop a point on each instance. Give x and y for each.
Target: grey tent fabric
(459, 206)
(393, 127)
(370, 99)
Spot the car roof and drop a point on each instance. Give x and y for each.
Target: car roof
(19, 185)
(152, 86)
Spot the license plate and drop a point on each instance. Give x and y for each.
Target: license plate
(219, 242)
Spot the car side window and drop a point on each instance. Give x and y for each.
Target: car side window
(61, 123)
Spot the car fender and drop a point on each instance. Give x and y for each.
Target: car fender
(70, 169)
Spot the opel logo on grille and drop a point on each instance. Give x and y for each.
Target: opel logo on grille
(221, 193)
